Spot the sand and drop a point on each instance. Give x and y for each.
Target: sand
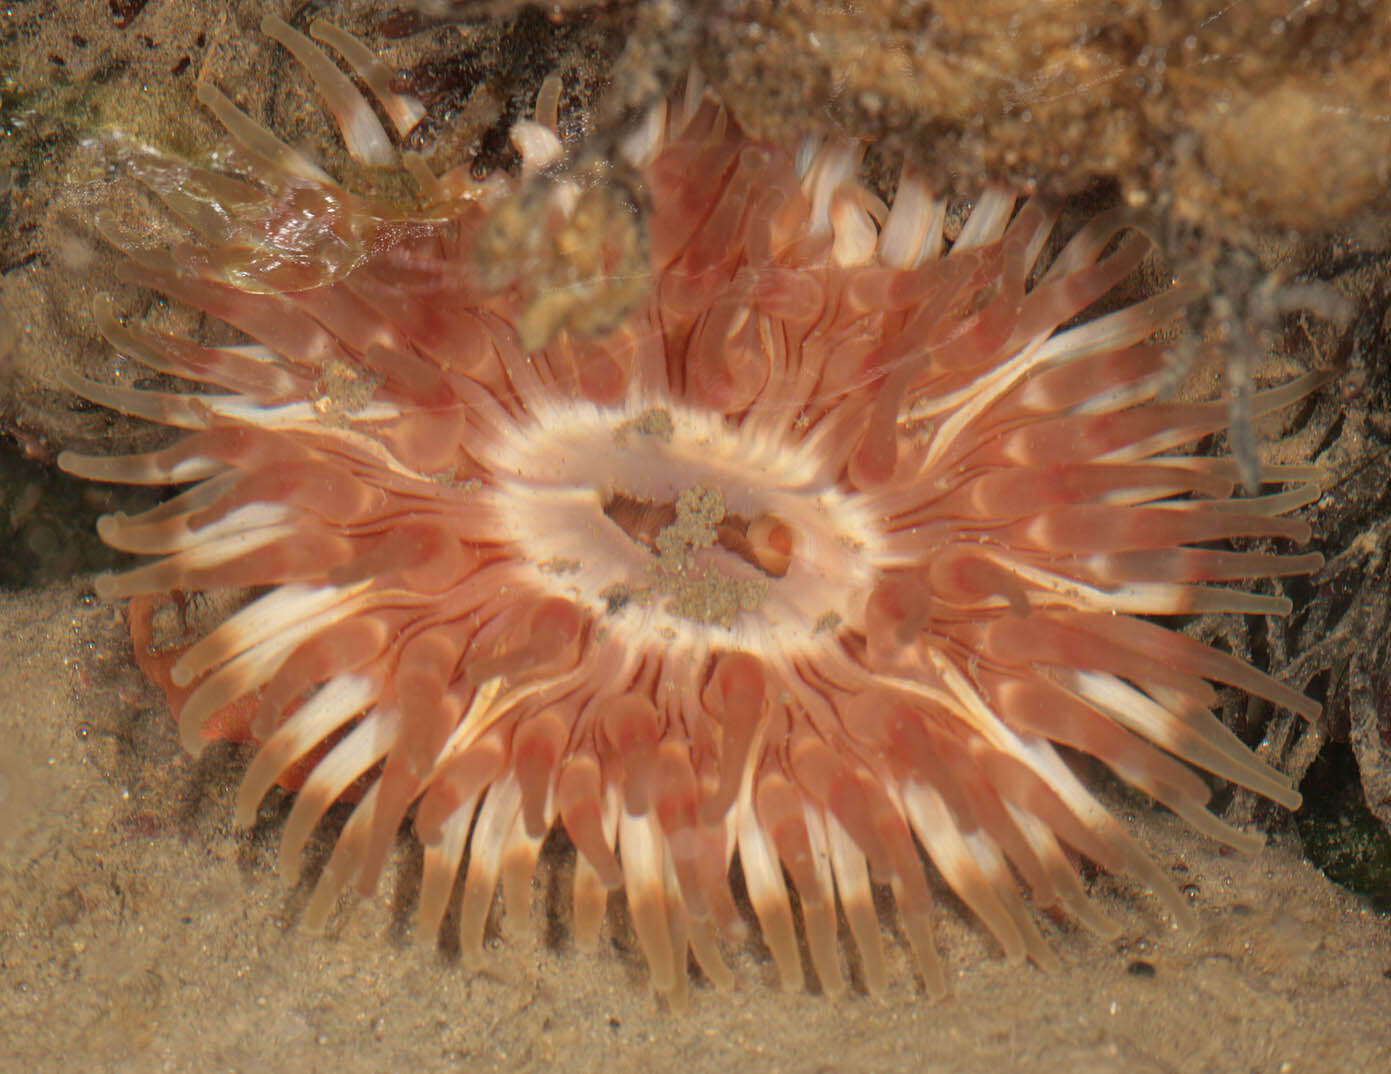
(144, 933)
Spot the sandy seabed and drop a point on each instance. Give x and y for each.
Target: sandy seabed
(143, 933)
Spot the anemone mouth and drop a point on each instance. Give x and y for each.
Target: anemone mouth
(814, 561)
(680, 531)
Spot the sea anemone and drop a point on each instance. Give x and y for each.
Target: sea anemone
(802, 573)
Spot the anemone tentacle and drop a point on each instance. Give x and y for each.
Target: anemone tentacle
(814, 562)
